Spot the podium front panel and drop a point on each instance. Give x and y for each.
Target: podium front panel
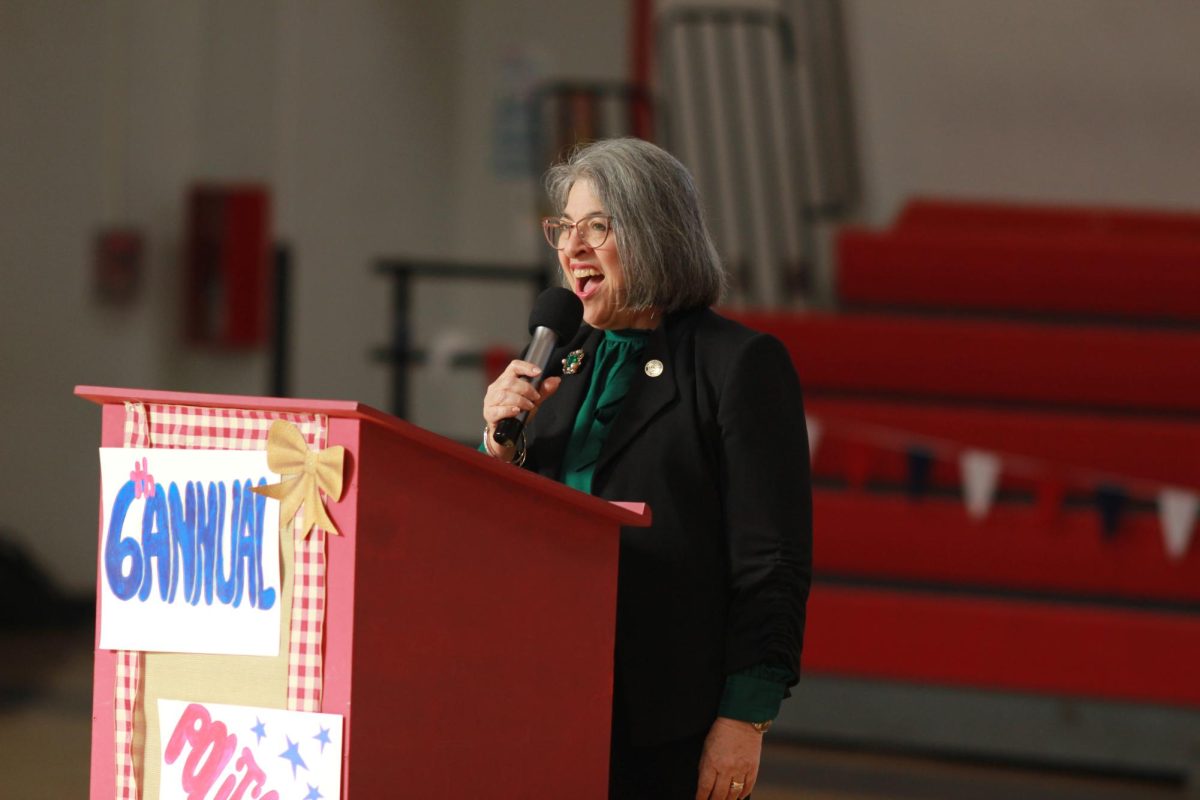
(469, 616)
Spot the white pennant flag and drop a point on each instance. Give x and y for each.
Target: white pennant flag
(980, 472)
(814, 436)
(1177, 510)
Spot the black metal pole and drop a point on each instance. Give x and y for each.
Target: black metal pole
(400, 340)
(280, 340)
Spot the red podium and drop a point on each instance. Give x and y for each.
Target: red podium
(469, 613)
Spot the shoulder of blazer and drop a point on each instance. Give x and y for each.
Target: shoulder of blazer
(716, 330)
(718, 341)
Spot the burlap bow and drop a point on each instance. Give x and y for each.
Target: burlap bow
(303, 472)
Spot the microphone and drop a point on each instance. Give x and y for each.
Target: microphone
(555, 318)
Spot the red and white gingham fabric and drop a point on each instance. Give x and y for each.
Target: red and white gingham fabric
(152, 425)
(129, 663)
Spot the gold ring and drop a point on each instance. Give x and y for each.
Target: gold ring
(736, 785)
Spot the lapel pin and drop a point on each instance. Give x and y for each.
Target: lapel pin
(654, 368)
(572, 362)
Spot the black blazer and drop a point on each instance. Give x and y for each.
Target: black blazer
(717, 446)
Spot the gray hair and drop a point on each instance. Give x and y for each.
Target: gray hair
(667, 253)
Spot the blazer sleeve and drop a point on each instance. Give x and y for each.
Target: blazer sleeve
(767, 501)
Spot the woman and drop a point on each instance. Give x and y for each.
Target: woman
(659, 399)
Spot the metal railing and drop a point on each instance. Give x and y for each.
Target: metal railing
(399, 354)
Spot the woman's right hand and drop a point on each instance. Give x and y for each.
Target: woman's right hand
(509, 395)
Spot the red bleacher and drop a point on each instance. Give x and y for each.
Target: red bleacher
(1023, 599)
(1022, 260)
(1123, 654)
(872, 355)
(1150, 225)
(932, 542)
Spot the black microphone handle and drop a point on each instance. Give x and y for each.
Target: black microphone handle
(509, 429)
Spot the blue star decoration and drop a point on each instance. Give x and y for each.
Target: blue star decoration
(313, 793)
(292, 754)
(259, 730)
(323, 737)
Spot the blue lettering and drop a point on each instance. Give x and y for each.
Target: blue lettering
(184, 532)
(117, 549)
(208, 534)
(183, 541)
(248, 524)
(266, 597)
(227, 584)
(156, 544)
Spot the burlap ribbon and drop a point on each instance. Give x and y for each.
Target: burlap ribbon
(303, 472)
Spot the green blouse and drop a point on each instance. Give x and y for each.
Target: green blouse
(755, 693)
(616, 361)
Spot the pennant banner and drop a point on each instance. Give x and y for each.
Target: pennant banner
(981, 470)
(920, 469)
(1177, 510)
(1051, 492)
(1110, 501)
(980, 476)
(815, 429)
(859, 456)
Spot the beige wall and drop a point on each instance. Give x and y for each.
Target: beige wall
(108, 110)
(1090, 101)
(372, 121)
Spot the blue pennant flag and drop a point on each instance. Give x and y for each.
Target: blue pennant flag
(1110, 502)
(920, 468)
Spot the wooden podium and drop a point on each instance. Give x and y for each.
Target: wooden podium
(470, 614)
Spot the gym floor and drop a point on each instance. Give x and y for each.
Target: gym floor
(45, 728)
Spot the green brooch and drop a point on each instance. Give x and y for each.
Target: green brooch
(572, 362)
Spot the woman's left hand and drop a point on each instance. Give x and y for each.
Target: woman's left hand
(731, 755)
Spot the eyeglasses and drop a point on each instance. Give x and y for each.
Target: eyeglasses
(593, 231)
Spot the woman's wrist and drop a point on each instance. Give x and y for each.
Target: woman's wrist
(512, 454)
(492, 448)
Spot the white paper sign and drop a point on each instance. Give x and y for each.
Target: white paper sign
(189, 556)
(247, 752)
